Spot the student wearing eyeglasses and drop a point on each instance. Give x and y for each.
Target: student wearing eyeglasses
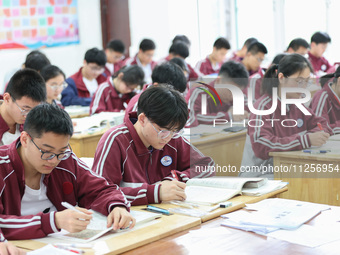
(140, 154)
(26, 89)
(55, 83)
(40, 172)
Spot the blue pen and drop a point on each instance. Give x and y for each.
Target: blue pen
(157, 210)
(315, 151)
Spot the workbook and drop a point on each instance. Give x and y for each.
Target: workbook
(98, 226)
(209, 191)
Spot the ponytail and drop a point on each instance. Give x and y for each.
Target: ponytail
(331, 77)
(270, 80)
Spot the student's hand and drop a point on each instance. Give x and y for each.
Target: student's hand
(10, 249)
(120, 218)
(172, 190)
(73, 221)
(318, 138)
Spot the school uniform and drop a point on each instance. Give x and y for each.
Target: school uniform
(326, 103)
(272, 136)
(57, 103)
(319, 64)
(146, 69)
(5, 136)
(205, 67)
(76, 93)
(133, 103)
(109, 71)
(213, 111)
(71, 181)
(163, 60)
(235, 58)
(193, 75)
(255, 84)
(108, 99)
(122, 158)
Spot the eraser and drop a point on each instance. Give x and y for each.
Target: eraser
(225, 204)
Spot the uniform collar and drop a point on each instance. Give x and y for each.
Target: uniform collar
(333, 97)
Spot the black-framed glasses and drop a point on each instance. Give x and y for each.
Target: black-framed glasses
(162, 134)
(24, 112)
(50, 155)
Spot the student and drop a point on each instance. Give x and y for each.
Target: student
(115, 94)
(326, 102)
(182, 38)
(167, 72)
(140, 154)
(114, 54)
(230, 73)
(26, 89)
(265, 135)
(318, 46)
(83, 84)
(144, 58)
(181, 63)
(213, 62)
(41, 172)
(254, 57)
(299, 46)
(55, 83)
(240, 54)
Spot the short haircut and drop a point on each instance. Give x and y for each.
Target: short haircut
(222, 43)
(46, 118)
(180, 62)
(297, 43)
(132, 75)
(50, 72)
(96, 56)
(170, 73)
(147, 44)
(164, 106)
(116, 45)
(181, 38)
(234, 72)
(257, 47)
(36, 61)
(330, 77)
(249, 41)
(320, 37)
(179, 48)
(278, 58)
(29, 83)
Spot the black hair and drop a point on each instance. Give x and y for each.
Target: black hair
(330, 77)
(34, 52)
(249, 41)
(234, 72)
(95, 55)
(257, 47)
(297, 43)
(50, 72)
(164, 106)
(132, 75)
(179, 49)
(48, 118)
(278, 58)
(147, 44)
(116, 45)
(170, 73)
(289, 65)
(222, 43)
(181, 63)
(320, 37)
(181, 38)
(27, 82)
(36, 61)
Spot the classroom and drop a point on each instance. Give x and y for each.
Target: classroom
(169, 127)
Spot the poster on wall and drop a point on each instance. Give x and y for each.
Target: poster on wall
(38, 23)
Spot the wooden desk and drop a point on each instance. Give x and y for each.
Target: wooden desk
(307, 186)
(237, 241)
(225, 149)
(85, 145)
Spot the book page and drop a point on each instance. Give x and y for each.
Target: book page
(270, 186)
(208, 195)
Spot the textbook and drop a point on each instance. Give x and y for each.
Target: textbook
(97, 226)
(210, 191)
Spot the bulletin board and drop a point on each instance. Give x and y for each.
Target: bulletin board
(38, 23)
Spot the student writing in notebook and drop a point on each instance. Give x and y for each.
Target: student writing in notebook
(39, 171)
(140, 154)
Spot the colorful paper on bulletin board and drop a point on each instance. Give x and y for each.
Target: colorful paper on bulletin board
(38, 23)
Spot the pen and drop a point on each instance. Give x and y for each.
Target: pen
(157, 210)
(213, 208)
(75, 245)
(320, 126)
(74, 250)
(69, 206)
(315, 151)
(174, 175)
(181, 204)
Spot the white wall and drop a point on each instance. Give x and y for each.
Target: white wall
(68, 58)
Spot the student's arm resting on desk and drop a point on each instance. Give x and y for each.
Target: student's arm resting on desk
(70, 95)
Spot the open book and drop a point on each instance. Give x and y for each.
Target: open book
(209, 191)
(97, 226)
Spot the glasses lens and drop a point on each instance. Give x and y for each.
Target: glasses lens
(47, 155)
(178, 134)
(164, 134)
(65, 155)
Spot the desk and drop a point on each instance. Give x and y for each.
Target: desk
(85, 145)
(225, 149)
(307, 186)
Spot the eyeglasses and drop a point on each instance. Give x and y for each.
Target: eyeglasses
(56, 87)
(49, 155)
(301, 82)
(162, 134)
(24, 112)
(96, 69)
(260, 60)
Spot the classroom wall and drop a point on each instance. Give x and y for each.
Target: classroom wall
(68, 58)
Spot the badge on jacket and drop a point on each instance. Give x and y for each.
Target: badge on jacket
(166, 161)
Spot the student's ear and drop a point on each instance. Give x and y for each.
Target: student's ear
(218, 80)
(84, 62)
(24, 139)
(120, 76)
(6, 97)
(280, 76)
(142, 119)
(156, 83)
